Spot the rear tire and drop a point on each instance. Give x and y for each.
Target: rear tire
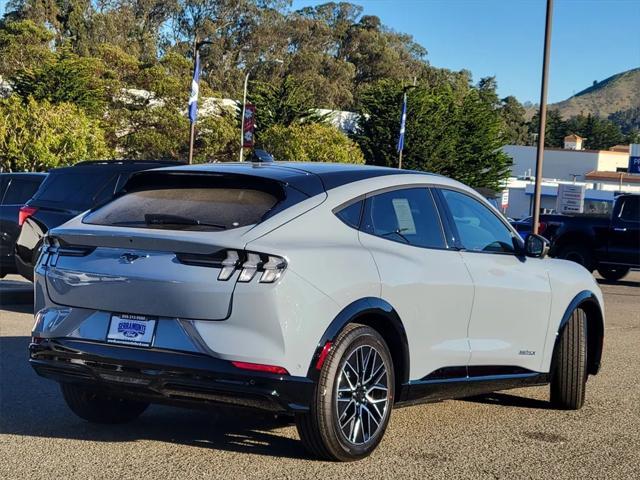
(353, 398)
(569, 368)
(97, 407)
(613, 273)
(578, 254)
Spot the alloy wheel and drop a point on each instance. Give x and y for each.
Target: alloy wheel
(362, 396)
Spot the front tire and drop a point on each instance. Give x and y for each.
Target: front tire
(569, 371)
(353, 398)
(613, 273)
(578, 254)
(97, 407)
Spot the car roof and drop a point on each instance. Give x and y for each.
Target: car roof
(23, 174)
(310, 177)
(116, 165)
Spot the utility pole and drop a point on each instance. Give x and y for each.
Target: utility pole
(543, 118)
(244, 102)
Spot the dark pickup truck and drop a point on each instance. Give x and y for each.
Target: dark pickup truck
(609, 244)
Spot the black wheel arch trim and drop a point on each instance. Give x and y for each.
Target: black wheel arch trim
(588, 301)
(362, 311)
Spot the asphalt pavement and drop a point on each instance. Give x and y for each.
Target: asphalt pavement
(512, 434)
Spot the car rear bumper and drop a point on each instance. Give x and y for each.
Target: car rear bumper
(163, 376)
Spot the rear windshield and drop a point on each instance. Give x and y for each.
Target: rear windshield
(195, 208)
(75, 190)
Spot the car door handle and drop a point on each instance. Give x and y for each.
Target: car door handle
(619, 229)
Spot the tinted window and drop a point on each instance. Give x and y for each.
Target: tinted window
(20, 191)
(406, 216)
(197, 208)
(74, 190)
(478, 227)
(351, 214)
(631, 209)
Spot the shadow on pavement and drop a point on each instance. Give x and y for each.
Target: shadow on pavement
(16, 307)
(15, 292)
(33, 406)
(508, 400)
(618, 283)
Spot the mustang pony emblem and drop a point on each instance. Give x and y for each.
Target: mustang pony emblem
(131, 257)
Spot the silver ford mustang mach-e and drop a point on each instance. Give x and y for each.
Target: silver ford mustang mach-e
(328, 292)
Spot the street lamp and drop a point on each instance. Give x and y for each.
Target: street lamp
(244, 101)
(194, 90)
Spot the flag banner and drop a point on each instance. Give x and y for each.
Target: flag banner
(403, 121)
(193, 98)
(248, 125)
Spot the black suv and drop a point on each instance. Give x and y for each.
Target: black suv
(67, 192)
(15, 190)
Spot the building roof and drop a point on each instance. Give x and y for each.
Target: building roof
(595, 175)
(573, 136)
(620, 148)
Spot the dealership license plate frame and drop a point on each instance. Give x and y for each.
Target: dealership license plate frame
(131, 329)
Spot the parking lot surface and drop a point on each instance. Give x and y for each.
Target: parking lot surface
(512, 434)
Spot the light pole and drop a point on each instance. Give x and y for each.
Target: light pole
(194, 92)
(535, 221)
(244, 101)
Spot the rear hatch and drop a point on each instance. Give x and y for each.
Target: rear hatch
(157, 249)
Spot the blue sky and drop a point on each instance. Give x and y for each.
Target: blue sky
(592, 39)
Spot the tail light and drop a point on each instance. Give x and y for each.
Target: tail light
(541, 228)
(269, 267)
(258, 367)
(25, 212)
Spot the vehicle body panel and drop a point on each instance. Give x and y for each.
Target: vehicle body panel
(462, 312)
(15, 190)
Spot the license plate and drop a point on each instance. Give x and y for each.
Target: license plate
(131, 330)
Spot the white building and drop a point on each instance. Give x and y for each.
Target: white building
(602, 172)
(566, 164)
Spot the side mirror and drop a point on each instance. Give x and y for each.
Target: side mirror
(536, 246)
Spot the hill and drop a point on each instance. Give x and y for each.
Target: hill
(618, 93)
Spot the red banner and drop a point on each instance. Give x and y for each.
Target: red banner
(249, 125)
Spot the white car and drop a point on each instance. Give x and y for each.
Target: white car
(330, 292)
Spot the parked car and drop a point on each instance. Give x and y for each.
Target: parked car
(15, 190)
(610, 244)
(330, 292)
(67, 192)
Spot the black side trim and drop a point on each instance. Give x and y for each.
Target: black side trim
(380, 315)
(472, 371)
(424, 391)
(595, 328)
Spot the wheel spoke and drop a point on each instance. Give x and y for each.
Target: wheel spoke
(362, 395)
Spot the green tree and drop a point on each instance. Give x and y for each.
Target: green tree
(84, 81)
(281, 104)
(38, 135)
(23, 44)
(314, 142)
(516, 128)
(448, 131)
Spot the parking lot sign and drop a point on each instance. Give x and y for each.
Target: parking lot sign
(634, 158)
(570, 198)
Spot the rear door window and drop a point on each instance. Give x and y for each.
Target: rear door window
(75, 190)
(20, 191)
(407, 215)
(630, 211)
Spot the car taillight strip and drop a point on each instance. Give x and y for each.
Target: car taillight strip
(268, 268)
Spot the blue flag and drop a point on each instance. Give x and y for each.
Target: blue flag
(403, 121)
(193, 98)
